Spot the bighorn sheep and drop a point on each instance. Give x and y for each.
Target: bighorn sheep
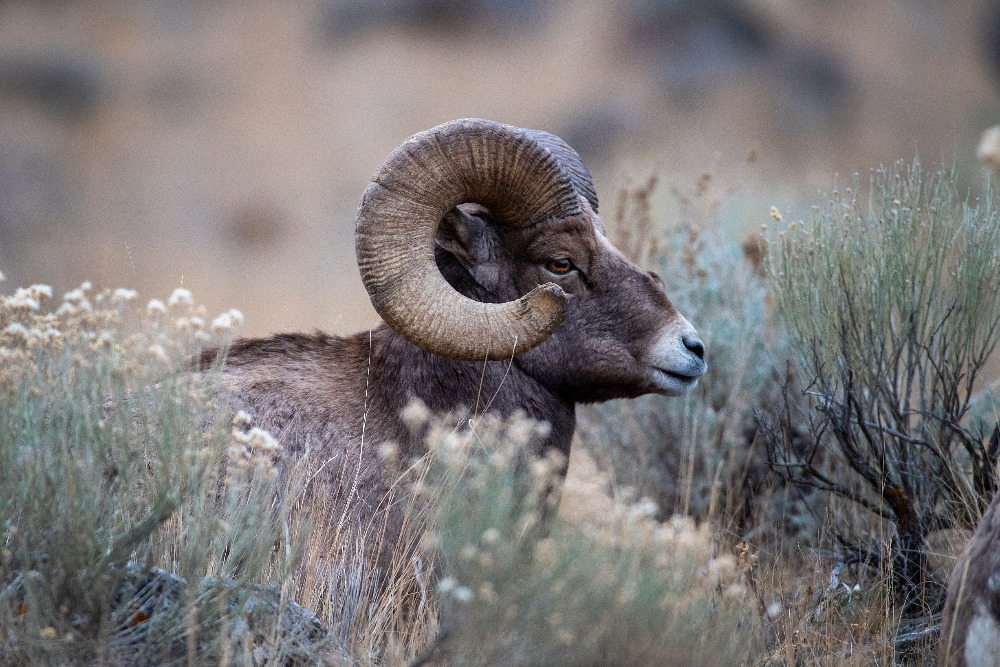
(480, 246)
(970, 625)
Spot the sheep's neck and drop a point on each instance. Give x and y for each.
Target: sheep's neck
(399, 372)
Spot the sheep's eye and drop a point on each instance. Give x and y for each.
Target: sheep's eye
(559, 266)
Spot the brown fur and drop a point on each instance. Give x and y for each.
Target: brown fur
(973, 601)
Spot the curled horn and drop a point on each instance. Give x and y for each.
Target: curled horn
(518, 176)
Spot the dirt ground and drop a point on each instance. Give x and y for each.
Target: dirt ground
(223, 145)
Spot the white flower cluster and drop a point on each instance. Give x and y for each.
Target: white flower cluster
(258, 440)
(189, 319)
(123, 295)
(227, 321)
(252, 447)
(24, 302)
(155, 308)
(450, 586)
(30, 336)
(180, 297)
(28, 298)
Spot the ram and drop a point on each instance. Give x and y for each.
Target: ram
(970, 624)
(481, 248)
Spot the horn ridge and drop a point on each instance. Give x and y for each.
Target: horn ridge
(570, 162)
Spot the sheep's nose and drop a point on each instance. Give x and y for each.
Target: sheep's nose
(694, 344)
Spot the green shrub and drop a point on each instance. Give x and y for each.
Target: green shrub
(889, 296)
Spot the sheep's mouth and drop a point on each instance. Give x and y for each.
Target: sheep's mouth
(679, 377)
(672, 382)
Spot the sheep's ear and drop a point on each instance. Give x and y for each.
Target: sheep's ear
(467, 232)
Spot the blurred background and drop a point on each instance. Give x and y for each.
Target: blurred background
(222, 145)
